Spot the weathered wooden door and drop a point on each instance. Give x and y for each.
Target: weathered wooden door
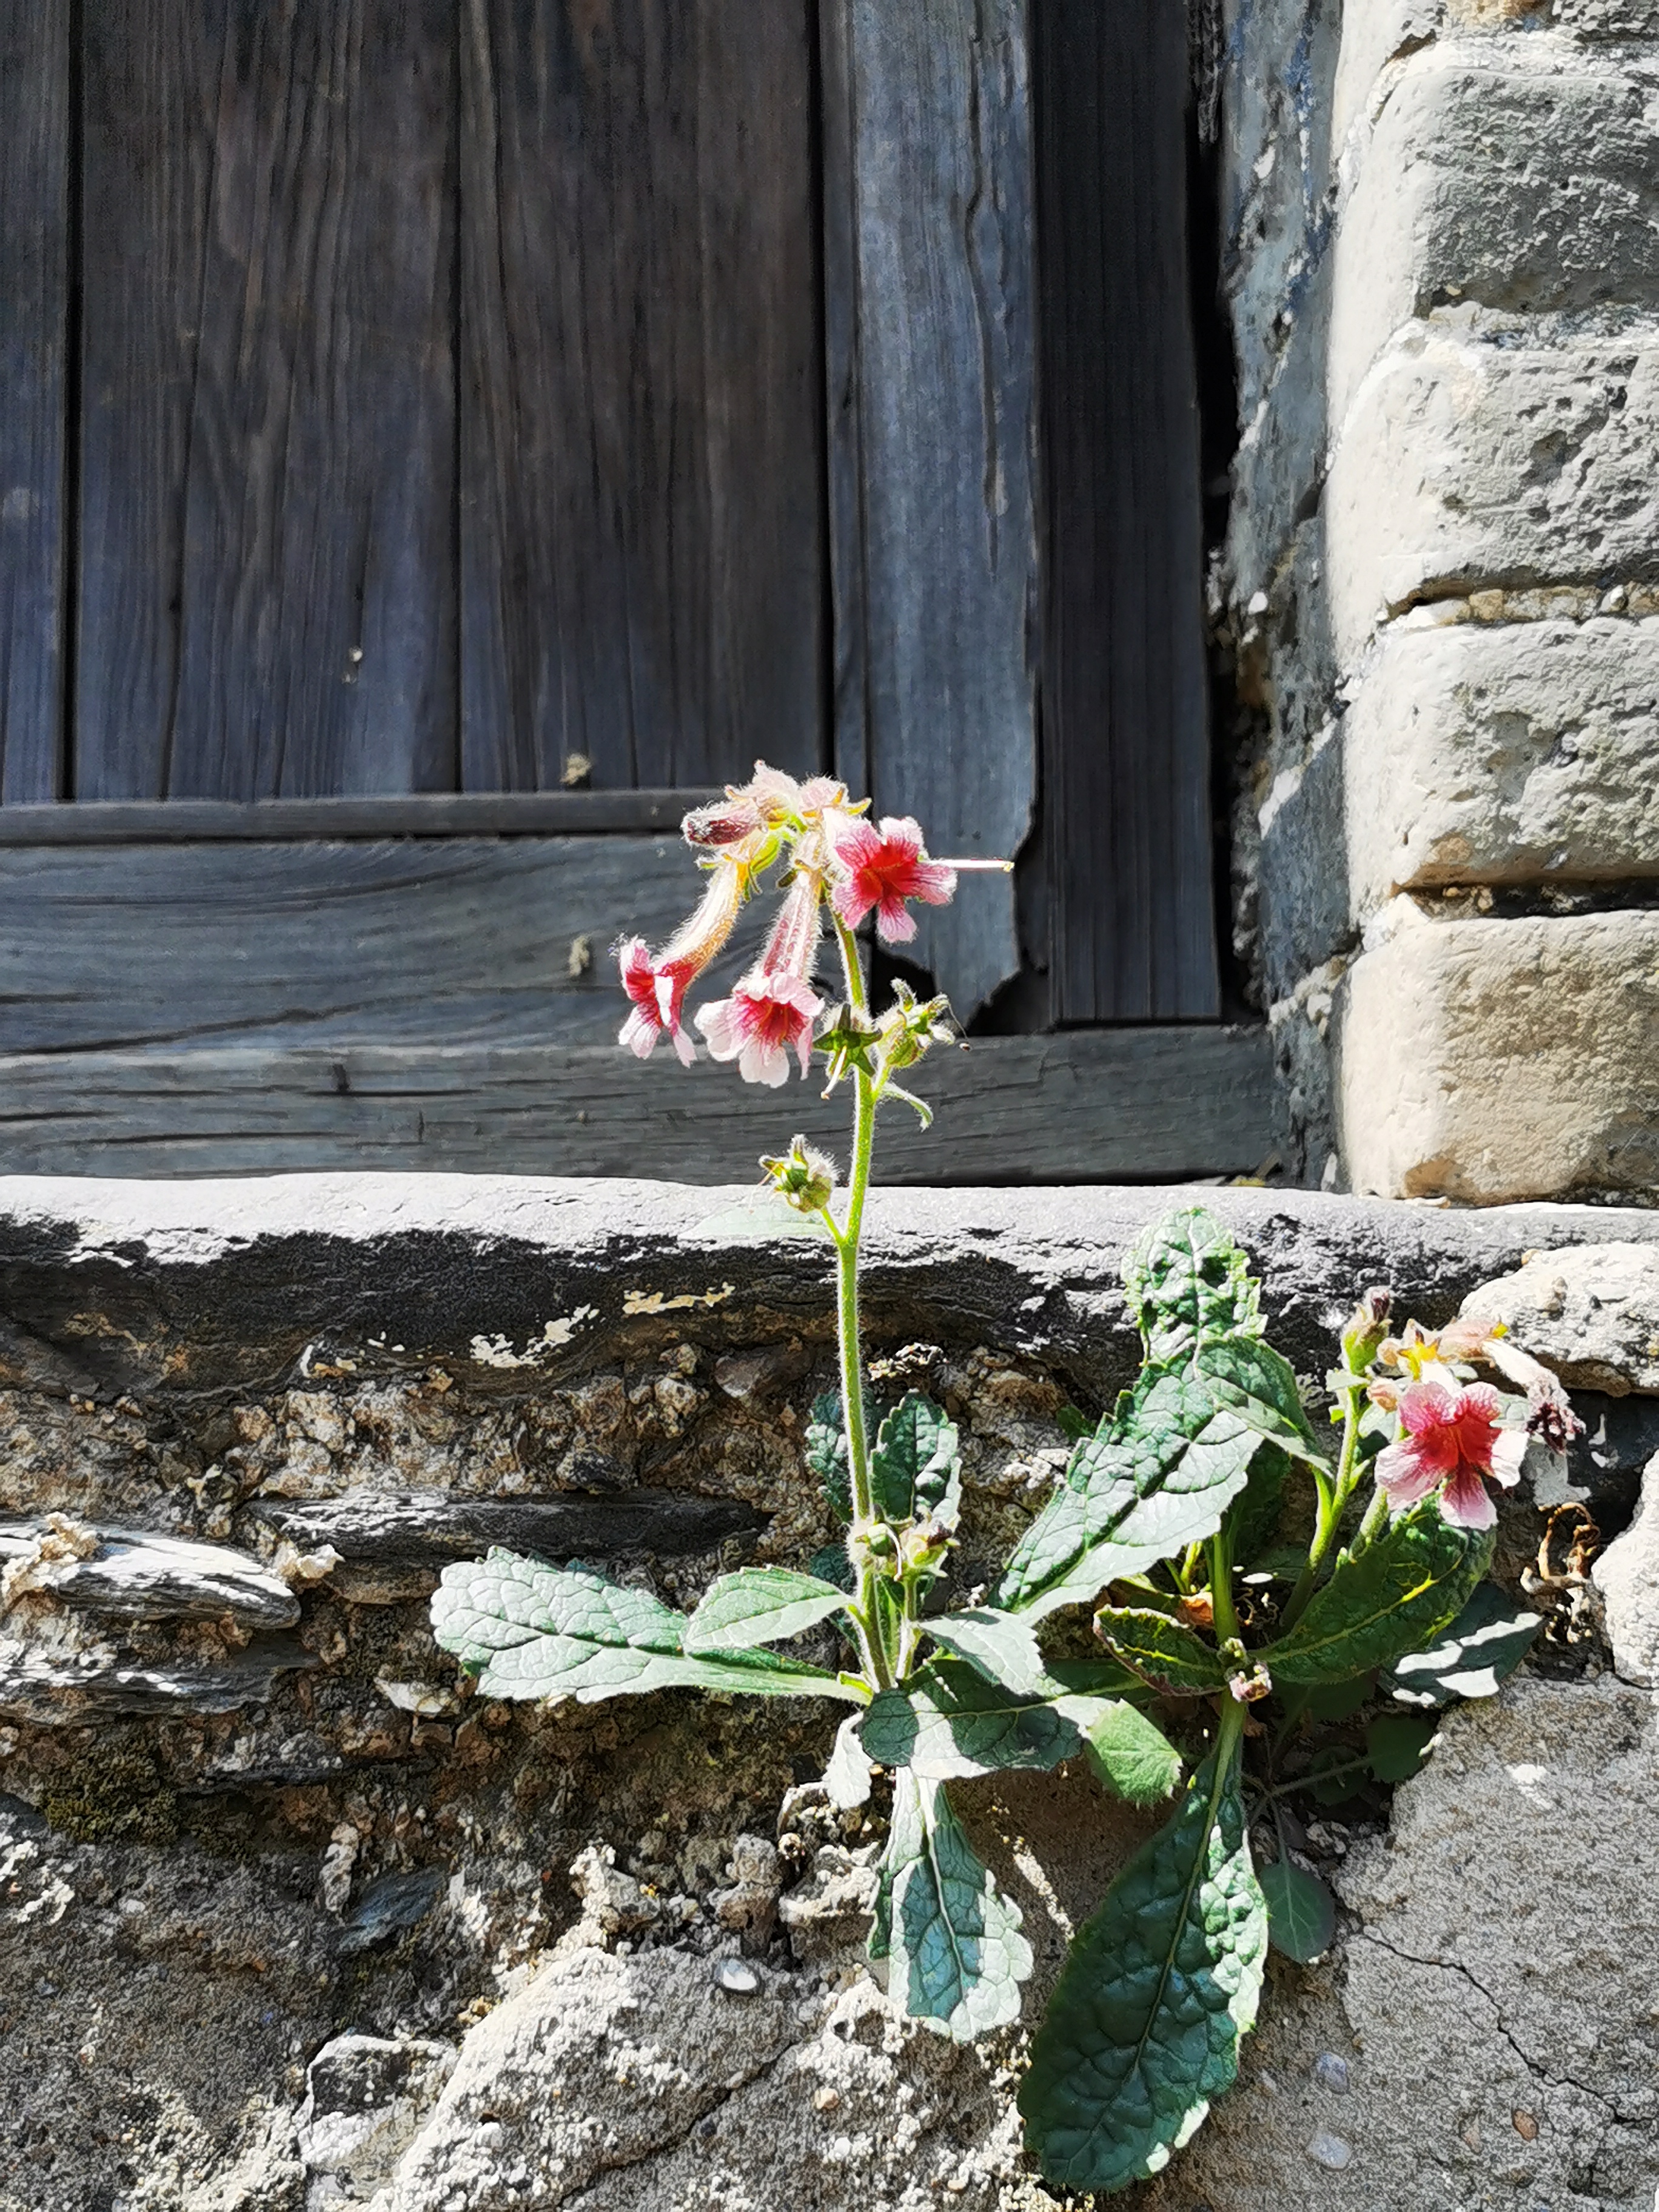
(443, 438)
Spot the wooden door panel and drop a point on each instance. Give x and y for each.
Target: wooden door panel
(424, 941)
(641, 410)
(35, 223)
(267, 539)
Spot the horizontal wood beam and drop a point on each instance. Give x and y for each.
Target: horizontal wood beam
(423, 814)
(1091, 1106)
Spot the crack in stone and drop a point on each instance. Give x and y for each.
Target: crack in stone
(667, 2149)
(1533, 2066)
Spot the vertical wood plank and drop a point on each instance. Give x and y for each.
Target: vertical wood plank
(1126, 723)
(939, 125)
(641, 521)
(35, 223)
(269, 580)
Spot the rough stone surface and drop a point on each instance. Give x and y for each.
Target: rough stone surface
(1475, 755)
(1592, 1314)
(1627, 1577)
(1487, 1061)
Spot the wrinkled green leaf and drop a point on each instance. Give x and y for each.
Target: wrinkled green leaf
(825, 1444)
(1474, 1657)
(1185, 1277)
(948, 1722)
(1341, 1701)
(1144, 2028)
(1257, 1383)
(533, 1631)
(1301, 1911)
(831, 1565)
(1073, 1425)
(847, 1777)
(1398, 1745)
(957, 1955)
(916, 1468)
(759, 1605)
(1253, 1518)
(1130, 1756)
(1409, 1582)
(1163, 1652)
(1157, 1477)
(1002, 1646)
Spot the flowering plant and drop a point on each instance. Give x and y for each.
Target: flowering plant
(1214, 1642)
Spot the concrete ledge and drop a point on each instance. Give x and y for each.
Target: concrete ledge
(1487, 1060)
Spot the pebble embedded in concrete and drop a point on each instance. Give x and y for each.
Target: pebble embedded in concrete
(1331, 2072)
(737, 1975)
(1326, 2149)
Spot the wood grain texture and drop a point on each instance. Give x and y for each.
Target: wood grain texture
(426, 943)
(422, 814)
(1126, 720)
(642, 428)
(1132, 1105)
(938, 549)
(34, 227)
(268, 572)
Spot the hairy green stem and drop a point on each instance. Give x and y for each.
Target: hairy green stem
(1332, 1504)
(1225, 1614)
(848, 1240)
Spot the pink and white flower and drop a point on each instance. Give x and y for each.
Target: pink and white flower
(1454, 1442)
(764, 1020)
(881, 868)
(657, 983)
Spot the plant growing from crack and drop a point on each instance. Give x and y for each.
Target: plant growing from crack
(1217, 1643)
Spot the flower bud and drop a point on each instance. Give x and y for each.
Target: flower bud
(1365, 1331)
(804, 1177)
(873, 1544)
(924, 1544)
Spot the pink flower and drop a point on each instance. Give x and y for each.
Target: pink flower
(658, 984)
(759, 1024)
(881, 868)
(1452, 1442)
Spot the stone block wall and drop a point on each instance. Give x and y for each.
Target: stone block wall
(1442, 263)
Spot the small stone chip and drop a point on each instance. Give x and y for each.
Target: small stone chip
(1526, 2126)
(1331, 2072)
(737, 1975)
(825, 2099)
(1326, 2149)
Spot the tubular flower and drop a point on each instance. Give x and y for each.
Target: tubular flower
(773, 1010)
(883, 867)
(1453, 1443)
(779, 797)
(657, 984)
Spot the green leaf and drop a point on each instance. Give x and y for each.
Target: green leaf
(1144, 2028)
(759, 1605)
(825, 1444)
(1340, 1701)
(1258, 1384)
(533, 1631)
(1333, 1776)
(1398, 1745)
(1410, 1581)
(1157, 1477)
(1130, 1756)
(1002, 1646)
(1474, 1657)
(1163, 1652)
(949, 1722)
(1186, 1277)
(916, 1468)
(847, 1777)
(1074, 1425)
(831, 1565)
(956, 1957)
(1253, 1518)
(1301, 1911)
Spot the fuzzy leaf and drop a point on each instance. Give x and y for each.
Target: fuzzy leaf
(1474, 1657)
(1130, 1756)
(1144, 2028)
(1253, 1518)
(1158, 1476)
(831, 1565)
(949, 1722)
(1074, 1425)
(1162, 1651)
(847, 1777)
(1185, 1278)
(1340, 1701)
(1258, 1384)
(1002, 1646)
(916, 1468)
(1398, 1745)
(533, 1631)
(825, 1444)
(1301, 1911)
(759, 1605)
(957, 1955)
(1411, 1580)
